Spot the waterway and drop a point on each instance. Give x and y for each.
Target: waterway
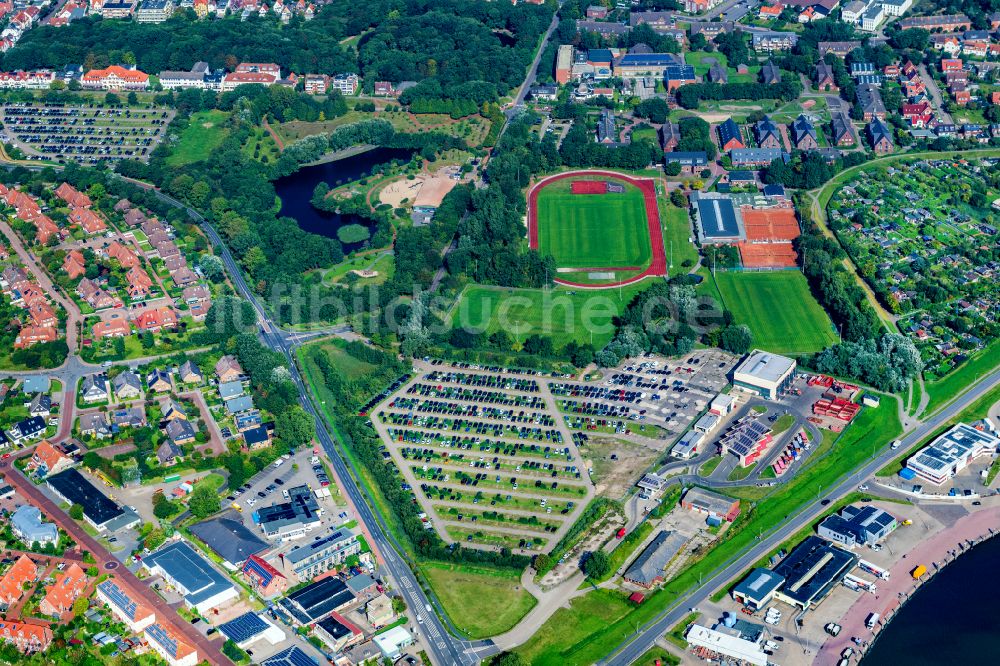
(296, 189)
(951, 619)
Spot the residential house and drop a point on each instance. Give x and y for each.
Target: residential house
(74, 264)
(189, 373)
(767, 133)
(40, 405)
(678, 75)
(730, 136)
(43, 315)
(240, 404)
(47, 460)
(169, 453)
(769, 41)
(72, 196)
(824, 77)
(804, 134)
(263, 578)
(229, 390)
(70, 584)
(26, 638)
(33, 335)
(159, 381)
(951, 65)
(770, 74)
(113, 328)
(95, 424)
(171, 647)
(94, 388)
(256, 438)
(139, 283)
(127, 386)
(180, 432)
(88, 220)
(130, 417)
(248, 420)
(769, 12)
(22, 573)
(870, 99)
(228, 369)
(173, 410)
(125, 257)
(28, 525)
(124, 606)
(94, 296)
(156, 319)
(183, 277)
(718, 74)
(670, 135)
(880, 136)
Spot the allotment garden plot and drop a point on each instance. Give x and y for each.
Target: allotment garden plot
(487, 456)
(84, 134)
(924, 236)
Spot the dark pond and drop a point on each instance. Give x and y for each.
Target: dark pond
(296, 189)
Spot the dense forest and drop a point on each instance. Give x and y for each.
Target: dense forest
(456, 49)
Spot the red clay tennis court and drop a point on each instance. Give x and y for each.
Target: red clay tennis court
(769, 235)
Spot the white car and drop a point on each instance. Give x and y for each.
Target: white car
(251, 501)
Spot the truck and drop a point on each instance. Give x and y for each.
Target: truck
(872, 620)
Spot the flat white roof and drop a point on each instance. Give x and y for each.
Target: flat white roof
(724, 644)
(951, 450)
(765, 366)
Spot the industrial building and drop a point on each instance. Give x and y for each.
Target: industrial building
(713, 504)
(724, 645)
(766, 374)
(230, 539)
(857, 526)
(688, 444)
(717, 220)
(757, 590)
(811, 570)
(648, 568)
(191, 575)
(249, 628)
(314, 602)
(748, 439)
(292, 519)
(101, 512)
(950, 453)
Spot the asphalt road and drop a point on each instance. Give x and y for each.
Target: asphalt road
(645, 638)
(442, 646)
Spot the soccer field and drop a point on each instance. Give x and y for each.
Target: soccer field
(593, 230)
(564, 314)
(779, 309)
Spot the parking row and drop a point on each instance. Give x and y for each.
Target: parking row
(488, 517)
(488, 413)
(507, 383)
(596, 392)
(530, 467)
(476, 395)
(509, 501)
(492, 480)
(477, 427)
(487, 445)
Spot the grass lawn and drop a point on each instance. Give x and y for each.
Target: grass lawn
(709, 466)
(657, 655)
(351, 367)
(561, 313)
(593, 230)
(599, 621)
(955, 382)
(677, 239)
(480, 601)
(202, 136)
(779, 309)
(740, 473)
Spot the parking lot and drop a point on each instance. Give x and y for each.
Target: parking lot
(84, 134)
(487, 453)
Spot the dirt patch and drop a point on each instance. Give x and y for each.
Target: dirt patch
(394, 193)
(434, 190)
(615, 464)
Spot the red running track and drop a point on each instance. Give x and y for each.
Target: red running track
(658, 267)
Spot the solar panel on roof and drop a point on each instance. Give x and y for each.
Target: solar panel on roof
(158, 633)
(292, 656)
(244, 627)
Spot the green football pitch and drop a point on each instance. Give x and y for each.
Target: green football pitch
(779, 309)
(593, 230)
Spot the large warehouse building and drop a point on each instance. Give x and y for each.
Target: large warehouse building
(811, 570)
(951, 453)
(765, 374)
(717, 219)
